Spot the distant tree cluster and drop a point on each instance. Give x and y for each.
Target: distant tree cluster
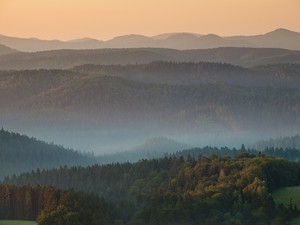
(282, 143)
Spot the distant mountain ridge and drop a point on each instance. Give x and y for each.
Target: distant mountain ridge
(65, 59)
(280, 38)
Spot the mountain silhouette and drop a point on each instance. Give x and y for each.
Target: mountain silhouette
(279, 38)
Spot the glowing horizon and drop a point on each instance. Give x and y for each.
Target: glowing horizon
(103, 20)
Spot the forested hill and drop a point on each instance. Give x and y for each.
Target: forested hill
(62, 59)
(19, 153)
(57, 95)
(162, 72)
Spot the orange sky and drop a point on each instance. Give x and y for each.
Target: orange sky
(104, 19)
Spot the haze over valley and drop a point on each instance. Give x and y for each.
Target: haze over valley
(110, 108)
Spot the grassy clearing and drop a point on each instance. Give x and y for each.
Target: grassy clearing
(295, 221)
(284, 195)
(17, 222)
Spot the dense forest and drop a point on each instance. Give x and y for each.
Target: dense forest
(19, 153)
(174, 190)
(49, 205)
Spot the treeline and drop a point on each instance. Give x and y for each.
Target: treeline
(279, 143)
(49, 205)
(19, 153)
(291, 154)
(175, 190)
(114, 181)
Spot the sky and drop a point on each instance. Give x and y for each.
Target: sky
(105, 19)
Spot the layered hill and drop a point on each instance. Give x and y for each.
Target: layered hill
(92, 106)
(34, 44)
(68, 96)
(62, 59)
(281, 38)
